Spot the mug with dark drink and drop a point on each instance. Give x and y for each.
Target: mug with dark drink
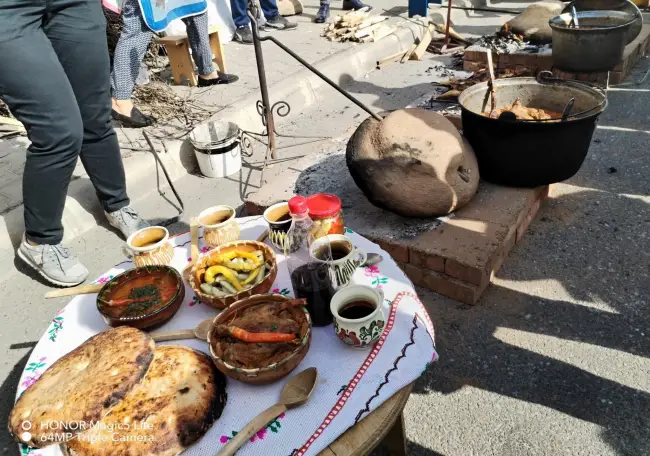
(358, 316)
(340, 254)
(311, 279)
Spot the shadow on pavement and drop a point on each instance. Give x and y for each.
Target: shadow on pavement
(7, 394)
(593, 244)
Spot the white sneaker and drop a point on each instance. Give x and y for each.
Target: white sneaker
(126, 220)
(54, 262)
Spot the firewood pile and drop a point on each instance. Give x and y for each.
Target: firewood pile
(455, 86)
(358, 26)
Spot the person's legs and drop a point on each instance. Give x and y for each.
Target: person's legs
(273, 18)
(36, 89)
(129, 52)
(197, 35)
(239, 15)
(323, 12)
(83, 53)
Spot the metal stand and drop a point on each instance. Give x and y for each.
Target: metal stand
(265, 109)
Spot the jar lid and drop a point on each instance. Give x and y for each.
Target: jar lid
(298, 205)
(323, 205)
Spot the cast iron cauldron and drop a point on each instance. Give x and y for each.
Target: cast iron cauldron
(521, 153)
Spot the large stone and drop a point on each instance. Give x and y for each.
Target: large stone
(532, 24)
(414, 163)
(289, 7)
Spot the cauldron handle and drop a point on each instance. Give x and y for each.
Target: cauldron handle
(546, 77)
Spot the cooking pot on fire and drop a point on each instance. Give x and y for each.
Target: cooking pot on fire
(525, 153)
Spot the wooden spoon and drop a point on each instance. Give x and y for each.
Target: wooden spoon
(194, 247)
(200, 332)
(295, 393)
(79, 289)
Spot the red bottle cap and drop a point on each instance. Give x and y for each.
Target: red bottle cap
(298, 205)
(323, 205)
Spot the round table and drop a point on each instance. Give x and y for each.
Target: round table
(378, 416)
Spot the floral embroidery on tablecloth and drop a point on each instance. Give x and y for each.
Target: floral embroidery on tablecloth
(283, 291)
(348, 231)
(372, 271)
(194, 301)
(105, 278)
(341, 390)
(379, 282)
(273, 426)
(35, 369)
(57, 325)
(25, 450)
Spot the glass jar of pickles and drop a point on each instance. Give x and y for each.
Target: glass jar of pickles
(325, 211)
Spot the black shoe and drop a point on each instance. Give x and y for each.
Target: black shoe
(280, 23)
(136, 120)
(244, 35)
(223, 78)
(354, 5)
(323, 13)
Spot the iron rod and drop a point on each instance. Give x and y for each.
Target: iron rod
(323, 77)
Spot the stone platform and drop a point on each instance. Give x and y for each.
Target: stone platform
(475, 58)
(455, 256)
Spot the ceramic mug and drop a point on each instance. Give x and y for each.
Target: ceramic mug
(358, 316)
(219, 225)
(345, 257)
(279, 221)
(149, 246)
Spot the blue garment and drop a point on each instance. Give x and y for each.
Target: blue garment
(240, 17)
(157, 14)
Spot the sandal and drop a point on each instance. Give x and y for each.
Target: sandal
(136, 120)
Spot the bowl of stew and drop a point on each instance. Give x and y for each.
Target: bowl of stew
(143, 297)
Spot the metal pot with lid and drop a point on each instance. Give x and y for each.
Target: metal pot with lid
(595, 45)
(522, 153)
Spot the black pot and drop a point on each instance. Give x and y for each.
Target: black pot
(522, 153)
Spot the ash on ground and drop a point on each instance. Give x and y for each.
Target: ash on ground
(330, 175)
(502, 43)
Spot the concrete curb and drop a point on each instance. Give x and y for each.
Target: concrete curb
(302, 90)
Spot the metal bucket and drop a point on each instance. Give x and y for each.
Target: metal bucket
(596, 45)
(624, 6)
(522, 153)
(217, 148)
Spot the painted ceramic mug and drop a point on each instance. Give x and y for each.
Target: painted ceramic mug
(340, 253)
(279, 221)
(358, 316)
(149, 246)
(219, 225)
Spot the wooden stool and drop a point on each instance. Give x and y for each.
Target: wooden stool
(178, 51)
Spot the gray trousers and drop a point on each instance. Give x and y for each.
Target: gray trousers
(55, 79)
(135, 39)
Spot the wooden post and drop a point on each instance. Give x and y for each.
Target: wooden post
(217, 50)
(395, 440)
(181, 62)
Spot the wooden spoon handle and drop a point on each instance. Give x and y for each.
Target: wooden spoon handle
(81, 289)
(251, 428)
(173, 335)
(194, 238)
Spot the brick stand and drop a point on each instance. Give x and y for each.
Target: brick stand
(476, 57)
(455, 256)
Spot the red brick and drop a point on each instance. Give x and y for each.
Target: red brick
(429, 261)
(397, 251)
(529, 218)
(453, 288)
(465, 273)
(414, 273)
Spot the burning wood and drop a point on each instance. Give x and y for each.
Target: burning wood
(357, 26)
(456, 86)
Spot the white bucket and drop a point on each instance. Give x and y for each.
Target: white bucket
(217, 148)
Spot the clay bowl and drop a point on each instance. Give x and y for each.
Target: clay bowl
(268, 374)
(145, 318)
(221, 302)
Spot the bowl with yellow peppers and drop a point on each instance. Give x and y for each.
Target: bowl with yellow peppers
(233, 271)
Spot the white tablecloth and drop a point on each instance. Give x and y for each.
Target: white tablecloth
(351, 382)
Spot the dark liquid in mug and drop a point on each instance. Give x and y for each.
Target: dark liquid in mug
(339, 249)
(283, 217)
(314, 283)
(356, 310)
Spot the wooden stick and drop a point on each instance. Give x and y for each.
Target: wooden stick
(444, 46)
(422, 46)
(173, 335)
(81, 289)
(408, 53)
(390, 58)
(493, 104)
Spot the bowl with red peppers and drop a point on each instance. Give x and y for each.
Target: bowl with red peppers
(260, 339)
